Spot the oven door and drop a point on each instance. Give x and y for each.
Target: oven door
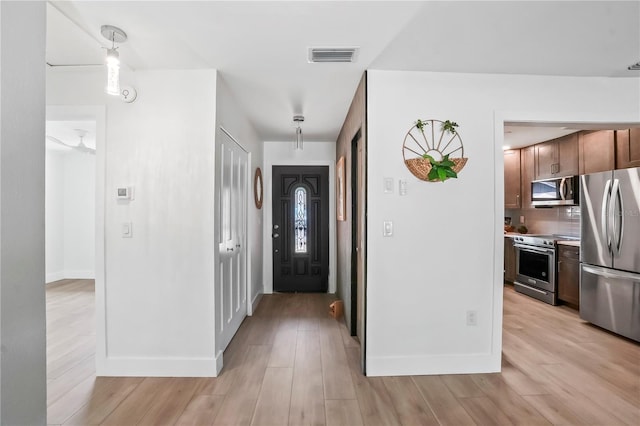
(536, 266)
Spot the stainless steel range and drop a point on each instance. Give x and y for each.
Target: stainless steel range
(536, 266)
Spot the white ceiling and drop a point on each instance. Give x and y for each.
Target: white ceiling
(66, 132)
(260, 47)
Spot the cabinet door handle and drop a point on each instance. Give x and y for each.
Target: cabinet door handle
(518, 200)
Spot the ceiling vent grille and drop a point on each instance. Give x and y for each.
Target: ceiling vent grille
(330, 54)
(635, 67)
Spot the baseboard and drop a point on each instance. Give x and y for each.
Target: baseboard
(433, 365)
(255, 302)
(80, 275)
(219, 362)
(54, 276)
(159, 367)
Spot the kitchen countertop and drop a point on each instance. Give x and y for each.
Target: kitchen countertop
(572, 243)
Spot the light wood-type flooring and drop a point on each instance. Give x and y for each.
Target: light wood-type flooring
(292, 364)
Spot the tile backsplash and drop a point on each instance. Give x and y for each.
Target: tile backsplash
(554, 220)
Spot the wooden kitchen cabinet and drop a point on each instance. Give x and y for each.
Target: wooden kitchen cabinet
(509, 260)
(627, 148)
(569, 274)
(596, 151)
(557, 157)
(512, 179)
(527, 174)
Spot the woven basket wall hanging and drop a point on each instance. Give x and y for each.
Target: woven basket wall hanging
(433, 150)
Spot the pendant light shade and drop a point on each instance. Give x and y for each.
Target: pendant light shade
(113, 72)
(298, 141)
(114, 35)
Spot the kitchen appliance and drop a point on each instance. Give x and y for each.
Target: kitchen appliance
(610, 251)
(561, 191)
(536, 266)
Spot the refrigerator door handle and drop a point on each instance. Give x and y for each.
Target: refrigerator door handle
(606, 273)
(616, 216)
(604, 221)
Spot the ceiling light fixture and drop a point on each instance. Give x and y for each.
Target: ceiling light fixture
(114, 35)
(634, 67)
(298, 119)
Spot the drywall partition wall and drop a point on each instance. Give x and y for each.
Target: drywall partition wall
(157, 300)
(22, 264)
(283, 154)
(69, 215)
(445, 256)
(54, 215)
(79, 214)
(354, 121)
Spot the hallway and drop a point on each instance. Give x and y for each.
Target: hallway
(292, 364)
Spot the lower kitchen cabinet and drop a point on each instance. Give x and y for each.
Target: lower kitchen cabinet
(509, 260)
(569, 274)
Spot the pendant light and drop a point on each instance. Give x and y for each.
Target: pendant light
(298, 141)
(114, 35)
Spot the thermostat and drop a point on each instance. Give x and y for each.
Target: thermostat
(125, 193)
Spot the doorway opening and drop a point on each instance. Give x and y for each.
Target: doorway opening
(300, 228)
(73, 142)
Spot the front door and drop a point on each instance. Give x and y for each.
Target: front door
(300, 228)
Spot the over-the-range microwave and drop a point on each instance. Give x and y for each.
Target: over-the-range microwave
(560, 191)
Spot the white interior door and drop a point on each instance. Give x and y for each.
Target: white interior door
(232, 267)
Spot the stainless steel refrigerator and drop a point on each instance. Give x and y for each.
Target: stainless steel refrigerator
(610, 251)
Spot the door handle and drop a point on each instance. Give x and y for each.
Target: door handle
(276, 235)
(616, 231)
(277, 251)
(563, 189)
(229, 248)
(237, 245)
(276, 226)
(596, 270)
(604, 222)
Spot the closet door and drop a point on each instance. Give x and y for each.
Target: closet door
(232, 268)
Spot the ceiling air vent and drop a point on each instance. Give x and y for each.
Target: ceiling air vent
(634, 67)
(331, 54)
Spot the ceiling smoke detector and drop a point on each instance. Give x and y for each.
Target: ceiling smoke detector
(333, 54)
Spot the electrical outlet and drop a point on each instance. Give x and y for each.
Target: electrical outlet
(522, 220)
(472, 317)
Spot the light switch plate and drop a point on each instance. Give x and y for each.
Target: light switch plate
(388, 185)
(387, 230)
(127, 230)
(402, 187)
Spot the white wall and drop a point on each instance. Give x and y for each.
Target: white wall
(54, 215)
(155, 309)
(231, 117)
(79, 214)
(445, 257)
(22, 181)
(69, 215)
(283, 154)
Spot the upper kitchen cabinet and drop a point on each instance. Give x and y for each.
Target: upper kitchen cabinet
(597, 151)
(527, 174)
(557, 157)
(512, 179)
(627, 148)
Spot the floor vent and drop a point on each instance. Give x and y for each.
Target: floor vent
(330, 54)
